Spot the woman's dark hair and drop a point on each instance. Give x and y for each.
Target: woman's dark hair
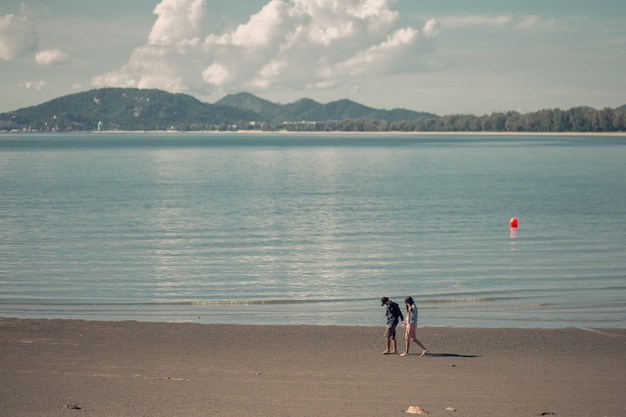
(409, 300)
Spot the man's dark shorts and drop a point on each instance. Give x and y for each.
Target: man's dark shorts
(390, 331)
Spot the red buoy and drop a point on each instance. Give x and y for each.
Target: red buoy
(513, 223)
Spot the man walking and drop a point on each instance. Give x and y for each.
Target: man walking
(394, 315)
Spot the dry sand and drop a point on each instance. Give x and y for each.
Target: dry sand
(90, 368)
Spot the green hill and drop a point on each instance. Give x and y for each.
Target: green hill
(312, 111)
(247, 101)
(124, 109)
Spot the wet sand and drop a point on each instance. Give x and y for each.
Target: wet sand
(91, 368)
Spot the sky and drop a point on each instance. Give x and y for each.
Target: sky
(440, 56)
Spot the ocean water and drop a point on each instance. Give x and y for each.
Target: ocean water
(314, 229)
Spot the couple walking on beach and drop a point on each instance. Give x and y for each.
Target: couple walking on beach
(394, 315)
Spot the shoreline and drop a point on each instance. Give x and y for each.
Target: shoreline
(217, 318)
(108, 368)
(315, 133)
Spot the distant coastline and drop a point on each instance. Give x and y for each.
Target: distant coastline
(151, 110)
(421, 133)
(314, 133)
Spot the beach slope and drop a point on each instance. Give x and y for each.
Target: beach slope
(90, 368)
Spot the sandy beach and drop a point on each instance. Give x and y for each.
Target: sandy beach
(90, 368)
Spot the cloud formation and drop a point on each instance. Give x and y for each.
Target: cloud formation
(494, 21)
(52, 57)
(18, 37)
(289, 44)
(34, 85)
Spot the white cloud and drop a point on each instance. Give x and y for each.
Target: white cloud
(178, 21)
(262, 29)
(432, 28)
(509, 21)
(287, 44)
(52, 57)
(379, 58)
(170, 58)
(18, 37)
(527, 22)
(33, 85)
(456, 22)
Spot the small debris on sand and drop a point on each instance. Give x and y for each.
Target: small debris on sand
(414, 409)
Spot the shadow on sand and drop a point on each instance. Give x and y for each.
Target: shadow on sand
(450, 355)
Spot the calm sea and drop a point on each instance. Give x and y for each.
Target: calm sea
(314, 229)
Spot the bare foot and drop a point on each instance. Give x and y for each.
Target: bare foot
(393, 352)
(386, 352)
(424, 352)
(404, 354)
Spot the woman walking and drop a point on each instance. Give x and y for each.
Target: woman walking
(410, 326)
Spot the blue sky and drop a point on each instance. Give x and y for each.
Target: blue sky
(444, 56)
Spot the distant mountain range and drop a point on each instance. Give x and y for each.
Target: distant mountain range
(132, 109)
(310, 110)
(151, 109)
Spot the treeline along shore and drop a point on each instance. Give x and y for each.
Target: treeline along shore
(575, 120)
